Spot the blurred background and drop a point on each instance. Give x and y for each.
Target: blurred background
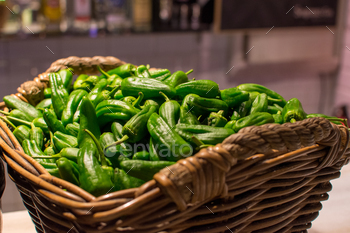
(299, 48)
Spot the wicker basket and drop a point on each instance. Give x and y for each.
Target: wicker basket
(268, 178)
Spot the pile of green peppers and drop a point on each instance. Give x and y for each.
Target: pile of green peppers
(116, 130)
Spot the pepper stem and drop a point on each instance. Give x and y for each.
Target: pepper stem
(188, 72)
(8, 122)
(199, 143)
(99, 147)
(23, 122)
(113, 91)
(51, 141)
(123, 139)
(137, 102)
(47, 157)
(103, 72)
(5, 113)
(165, 96)
(148, 66)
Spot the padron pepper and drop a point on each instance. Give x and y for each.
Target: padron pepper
(37, 135)
(123, 71)
(207, 134)
(112, 153)
(97, 90)
(21, 132)
(79, 82)
(47, 92)
(91, 81)
(112, 80)
(217, 119)
(153, 154)
(141, 155)
(148, 86)
(66, 77)
(124, 181)
(68, 170)
(233, 96)
(230, 124)
(244, 108)
(14, 103)
(278, 117)
(251, 87)
(73, 102)
(160, 74)
(125, 150)
(235, 116)
(335, 120)
(17, 114)
(258, 118)
(144, 170)
(187, 117)
(73, 129)
(177, 78)
(203, 106)
(260, 104)
(274, 109)
(52, 122)
(142, 72)
(40, 122)
(203, 88)
(60, 94)
(169, 111)
(45, 103)
(62, 140)
(293, 111)
(163, 135)
(68, 153)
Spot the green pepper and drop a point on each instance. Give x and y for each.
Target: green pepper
(141, 155)
(68, 170)
(124, 71)
(52, 122)
(14, 103)
(260, 104)
(37, 135)
(151, 102)
(79, 82)
(30, 148)
(59, 94)
(163, 135)
(62, 140)
(251, 87)
(160, 74)
(124, 181)
(66, 77)
(47, 93)
(73, 129)
(91, 81)
(177, 78)
(278, 117)
(110, 110)
(72, 105)
(274, 109)
(96, 91)
(88, 120)
(148, 86)
(144, 170)
(40, 122)
(112, 153)
(105, 95)
(293, 111)
(153, 154)
(112, 80)
(217, 119)
(244, 108)
(230, 124)
(187, 117)
(68, 153)
(335, 120)
(203, 106)
(235, 116)
(142, 72)
(118, 95)
(128, 99)
(45, 103)
(203, 88)
(169, 111)
(21, 132)
(125, 150)
(76, 116)
(258, 118)
(17, 114)
(233, 96)
(49, 151)
(93, 178)
(207, 134)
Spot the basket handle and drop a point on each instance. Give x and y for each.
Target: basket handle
(33, 91)
(203, 177)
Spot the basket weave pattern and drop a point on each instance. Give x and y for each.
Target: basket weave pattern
(268, 178)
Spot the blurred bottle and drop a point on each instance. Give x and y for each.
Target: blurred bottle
(78, 16)
(3, 14)
(142, 15)
(32, 21)
(117, 18)
(53, 14)
(99, 14)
